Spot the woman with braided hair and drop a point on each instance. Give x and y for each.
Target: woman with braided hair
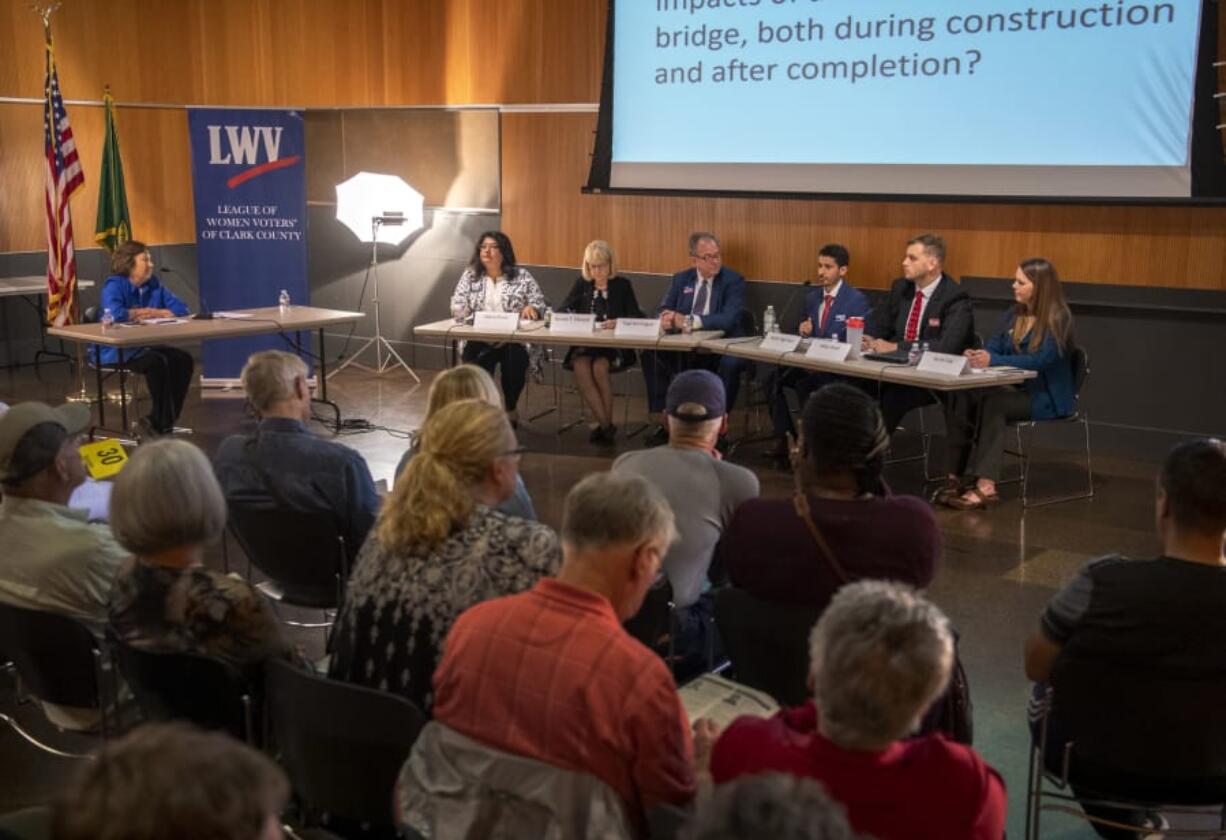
(843, 523)
(439, 546)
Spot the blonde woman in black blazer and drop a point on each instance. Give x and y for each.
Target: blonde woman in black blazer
(601, 292)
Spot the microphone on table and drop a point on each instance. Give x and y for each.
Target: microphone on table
(205, 314)
(783, 313)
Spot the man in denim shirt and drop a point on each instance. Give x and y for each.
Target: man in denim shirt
(285, 465)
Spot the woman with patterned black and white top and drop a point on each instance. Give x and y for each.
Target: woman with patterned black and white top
(493, 282)
(438, 547)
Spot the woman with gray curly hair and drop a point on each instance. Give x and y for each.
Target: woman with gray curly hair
(880, 655)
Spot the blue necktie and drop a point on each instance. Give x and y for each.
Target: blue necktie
(700, 299)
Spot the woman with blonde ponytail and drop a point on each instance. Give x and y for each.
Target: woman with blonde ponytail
(469, 382)
(439, 547)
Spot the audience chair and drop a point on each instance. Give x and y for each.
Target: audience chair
(1115, 736)
(653, 623)
(1080, 361)
(27, 824)
(57, 660)
(302, 553)
(768, 643)
(341, 744)
(187, 686)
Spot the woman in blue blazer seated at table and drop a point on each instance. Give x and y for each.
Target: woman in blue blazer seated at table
(134, 293)
(608, 296)
(1036, 335)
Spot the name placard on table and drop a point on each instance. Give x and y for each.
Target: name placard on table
(945, 364)
(572, 323)
(501, 322)
(828, 350)
(779, 342)
(637, 328)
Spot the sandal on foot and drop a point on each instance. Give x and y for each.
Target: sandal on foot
(950, 489)
(978, 501)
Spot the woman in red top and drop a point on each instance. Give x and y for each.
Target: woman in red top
(881, 655)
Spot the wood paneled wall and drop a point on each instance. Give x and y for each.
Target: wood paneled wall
(325, 53)
(545, 158)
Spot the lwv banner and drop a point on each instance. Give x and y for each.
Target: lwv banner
(249, 177)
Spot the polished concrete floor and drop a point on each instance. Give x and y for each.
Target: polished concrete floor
(1000, 566)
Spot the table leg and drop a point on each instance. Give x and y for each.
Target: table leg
(322, 377)
(123, 392)
(101, 395)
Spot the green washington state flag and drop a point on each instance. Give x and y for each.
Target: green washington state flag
(114, 224)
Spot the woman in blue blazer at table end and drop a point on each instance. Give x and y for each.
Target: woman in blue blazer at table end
(1036, 335)
(133, 293)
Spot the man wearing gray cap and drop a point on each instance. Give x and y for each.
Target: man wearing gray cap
(54, 559)
(703, 491)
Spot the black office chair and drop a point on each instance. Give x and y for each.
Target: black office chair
(652, 624)
(1080, 361)
(187, 686)
(59, 661)
(768, 643)
(341, 744)
(1127, 737)
(302, 553)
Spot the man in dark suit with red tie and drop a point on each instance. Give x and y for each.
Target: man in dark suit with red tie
(827, 309)
(924, 305)
(713, 295)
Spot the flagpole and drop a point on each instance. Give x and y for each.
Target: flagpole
(45, 10)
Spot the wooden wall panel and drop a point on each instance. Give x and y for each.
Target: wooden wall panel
(157, 169)
(545, 160)
(312, 52)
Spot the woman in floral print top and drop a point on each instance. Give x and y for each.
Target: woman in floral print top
(493, 282)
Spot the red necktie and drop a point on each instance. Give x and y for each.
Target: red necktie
(827, 305)
(914, 318)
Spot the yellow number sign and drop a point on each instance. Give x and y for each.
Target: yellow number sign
(103, 458)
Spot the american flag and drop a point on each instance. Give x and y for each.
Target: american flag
(64, 177)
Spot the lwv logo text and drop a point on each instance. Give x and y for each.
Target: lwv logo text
(240, 144)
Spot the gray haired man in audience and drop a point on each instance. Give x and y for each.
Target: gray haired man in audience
(703, 491)
(550, 674)
(284, 465)
(775, 805)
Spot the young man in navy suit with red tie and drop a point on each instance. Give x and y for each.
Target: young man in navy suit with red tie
(827, 309)
(924, 305)
(714, 295)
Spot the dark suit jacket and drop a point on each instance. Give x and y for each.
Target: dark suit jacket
(727, 298)
(948, 324)
(849, 302)
(622, 302)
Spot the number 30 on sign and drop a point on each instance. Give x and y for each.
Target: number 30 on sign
(103, 458)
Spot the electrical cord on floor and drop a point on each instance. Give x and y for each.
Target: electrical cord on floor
(360, 426)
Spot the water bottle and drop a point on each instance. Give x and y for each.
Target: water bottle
(914, 352)
(283, 301)
(108, 319)
(548, 316)
(687, 326)
(768, 321)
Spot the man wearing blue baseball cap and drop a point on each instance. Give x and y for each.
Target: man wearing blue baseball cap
(703, 491)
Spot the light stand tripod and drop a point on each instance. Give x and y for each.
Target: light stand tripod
(381, 344)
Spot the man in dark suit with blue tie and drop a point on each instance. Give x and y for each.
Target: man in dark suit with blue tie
(714, 295)
(827, 309)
